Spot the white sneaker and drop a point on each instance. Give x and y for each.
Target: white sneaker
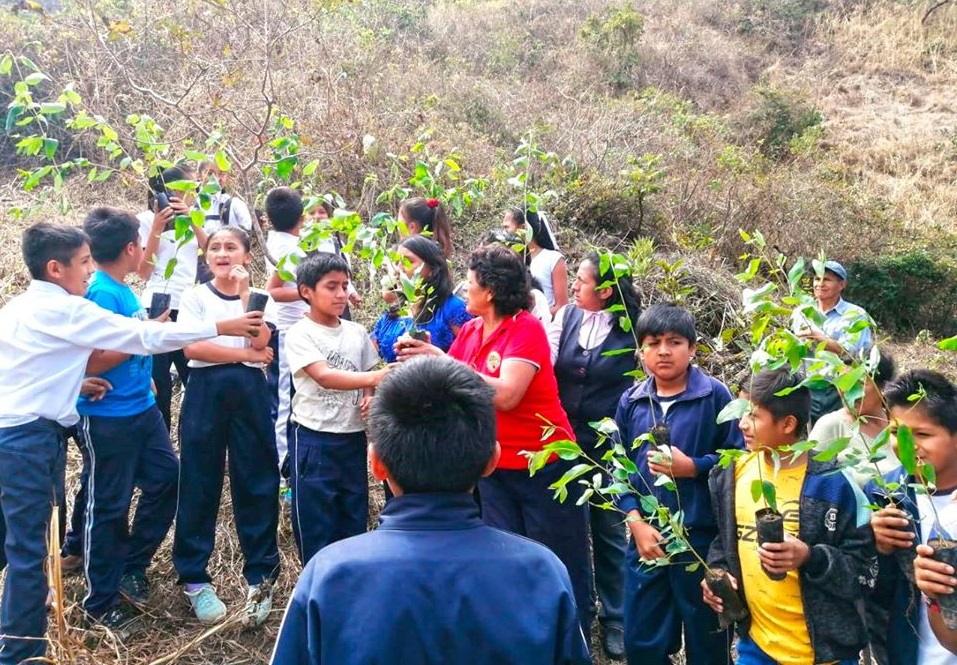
(258, 603)
(207, 606)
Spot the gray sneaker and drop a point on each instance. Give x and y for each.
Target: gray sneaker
(258, 603)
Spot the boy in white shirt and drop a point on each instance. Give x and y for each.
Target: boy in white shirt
(46, 337)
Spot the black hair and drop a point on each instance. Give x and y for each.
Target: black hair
(764, 389)
(938, 396)
(159, 181)
(44, 242)
(662, 319)
(110, 231)
(431, 216)
(438, 284)
(885, 370)
(433, 425)
(512, 240)
(501, 270)
(284, 208)
(317, 265)
(525, 217)
(239, 233)
(622, 290)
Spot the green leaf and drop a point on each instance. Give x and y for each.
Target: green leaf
(949, 344)
(310, 168)
(222, 161)
(833, 449)
(170, 268)
(6, 64)
(756, 490)
(649, 504)
(567, 450)
(49, 147)
(734, 410)
(770, 494)
(906, 449)
(36, 78)
(52, 108)
(795, 274)
(12, 116)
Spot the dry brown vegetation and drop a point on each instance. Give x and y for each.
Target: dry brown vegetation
(702, 85)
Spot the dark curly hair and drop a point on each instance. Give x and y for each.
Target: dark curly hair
(503, 272)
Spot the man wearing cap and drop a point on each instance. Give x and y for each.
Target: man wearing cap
(839, 317)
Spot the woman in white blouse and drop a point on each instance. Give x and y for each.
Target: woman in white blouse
(548, 264)
(590, 384)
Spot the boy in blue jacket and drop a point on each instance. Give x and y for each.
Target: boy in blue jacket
(812, 611)
(433, 584)
(660, 601)
(933, 421)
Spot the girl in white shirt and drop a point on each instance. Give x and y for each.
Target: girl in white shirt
(226, 411)
(548, 264)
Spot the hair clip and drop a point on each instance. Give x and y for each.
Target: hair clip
(432, 203)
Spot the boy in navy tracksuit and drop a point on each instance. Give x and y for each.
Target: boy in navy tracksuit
(932, 419)
(123, 439)
(46, 337)
(434, 582)
(812, 610)
(330, 360)
(660, 601)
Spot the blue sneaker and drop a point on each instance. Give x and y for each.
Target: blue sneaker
(207, 606)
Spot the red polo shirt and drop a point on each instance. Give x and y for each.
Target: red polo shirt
(519, 337)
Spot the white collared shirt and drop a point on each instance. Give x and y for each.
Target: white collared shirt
(592, 333)
(46, 338)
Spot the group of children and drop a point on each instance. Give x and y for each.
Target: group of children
(840, 581)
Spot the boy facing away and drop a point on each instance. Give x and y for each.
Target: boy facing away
(330, 360)
(435, 583)
(659, 601)
(827, 557)
(46, 337)
(932, 419)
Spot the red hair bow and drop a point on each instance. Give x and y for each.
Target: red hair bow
(432, 203)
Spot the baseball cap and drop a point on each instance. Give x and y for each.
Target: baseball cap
(837, 269)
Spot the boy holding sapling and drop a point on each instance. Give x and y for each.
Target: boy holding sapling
(803, 585)
(920, 494)
(678, 405)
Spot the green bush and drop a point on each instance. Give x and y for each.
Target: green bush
(906, 292)
(781, 119)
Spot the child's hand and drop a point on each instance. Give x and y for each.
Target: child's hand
(672, 462)
(406, 347)
(94, 388)
(646, 538)
(365, 405)
(890, 530)
(248, 325)
(713, 601)
(355, 299)
(263, 355)
(933, 577)
(240, 276)
(161, 219)
(782, 557)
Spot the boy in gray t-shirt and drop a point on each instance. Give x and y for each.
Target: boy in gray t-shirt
(331, 363)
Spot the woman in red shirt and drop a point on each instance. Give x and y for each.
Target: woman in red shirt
(508, 347)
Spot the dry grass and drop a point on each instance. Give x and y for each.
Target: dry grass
(884, 82)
